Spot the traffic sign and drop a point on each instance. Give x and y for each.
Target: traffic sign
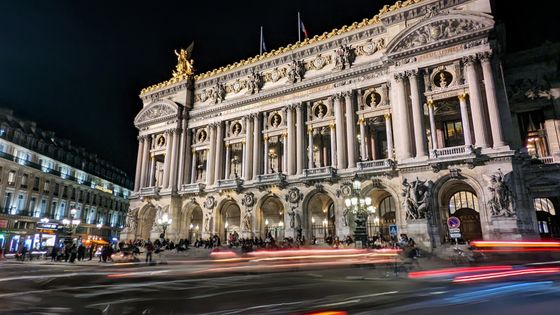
(453, 222)
(393, 231)
(455, 235)
(454, 230)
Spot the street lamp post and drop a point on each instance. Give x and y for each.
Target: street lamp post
(71, 224)
(164, 222)
(361, 208)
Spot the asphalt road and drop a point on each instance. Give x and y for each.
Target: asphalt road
(204, 287)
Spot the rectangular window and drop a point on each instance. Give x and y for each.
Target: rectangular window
(453, 132)
(24, 179)
(56, 189)
(7, 201)
(32, 211)
(20, 202)
(43, 207)
(36, 182)
(12, 178)
(46, 187)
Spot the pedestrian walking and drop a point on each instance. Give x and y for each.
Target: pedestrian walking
(149, 251)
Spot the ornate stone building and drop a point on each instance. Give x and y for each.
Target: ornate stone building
(411, 102)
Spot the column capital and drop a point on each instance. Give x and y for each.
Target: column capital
(298, 106)
(361, 120)
(347, 93)
(332, 126)
(399, 77)
(469, 60)
(462, 96)
(485, 56)
(265, 138)
(387, 116)
(309, 129)
(411, 73)
(430, 102)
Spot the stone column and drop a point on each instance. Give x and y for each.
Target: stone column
(491, 99)
(363, 148)
(334, 156)
(432, 124)
(211, 157)
(228, 161)
(138, 173)
(167, 161)
(219, 152)
(187, 158)
(291, 141)
(476, 103)
(373, 143)
(340, 139)
(403, 120)
(174, 157)
(266, 157)
(248, 156)
(299, 139)
(465, 119)
(193, 167)
(244, 162)
(284, 153)
(350, 129)
(145, 158)
(389, 130)
(257, 149)
(152, 178)
(182, 150)
(417, 115)
(309, 147)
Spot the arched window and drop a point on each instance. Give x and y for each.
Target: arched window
(463, 199)
(544, 204)
(386, 205)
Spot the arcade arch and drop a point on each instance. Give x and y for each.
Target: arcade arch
(319, 217)
(229, 220)
(270, 217)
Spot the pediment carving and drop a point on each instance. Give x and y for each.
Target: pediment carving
(156, 112)
(440, 28)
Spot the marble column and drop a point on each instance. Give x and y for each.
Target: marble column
(228, 161)
(167, 160)
(491, 99)
(417, 115)
(432, 124)
(285, 153)
(363, 149)
(152, 178)
(291, 140)
(389, 130)
(465, 119)
(350, 129)
(340, 138)
(138, 173)
(243, 164)
(193, 167)
(300, 139)
(373, 143)
(219, 163)
(476, 102)
(187, 158)
(174, 157)
(145, 159)
(334, 156)
(248, 156)
(310, 147)
(182, 150)
(211, 156)
(266, 158)
(257, 149)
(403, 118)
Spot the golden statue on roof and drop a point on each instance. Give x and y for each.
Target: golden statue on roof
(184, 65)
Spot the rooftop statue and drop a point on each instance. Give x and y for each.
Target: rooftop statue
(184, 65)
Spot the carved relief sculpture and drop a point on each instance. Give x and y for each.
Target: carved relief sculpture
(254, 82)
(344, 56)
(296, 71)
(416, 198)
(501, 196)
(218, 93)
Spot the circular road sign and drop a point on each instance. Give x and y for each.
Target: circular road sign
(453, 222)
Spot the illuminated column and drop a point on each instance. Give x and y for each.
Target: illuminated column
(476, 103)
(309, 147)
(152, 178)
(291, 141)
(145, 159)
(333, 145)
(417, 115)
(174, 157)
(340, 139)
(432, 124)
(493, 110)
(219, 152)
(138, 173)
(256, 145)
(363, 150)
(266, 157)
(389, 130)
(187, 159)
(403, 120)
(299, 139)
(248, 154)
(211, 157)
(465, 119)
(193, 167)
(285, 153)
(182, 152)
(228, 161)
(350, 129)
(167, 158)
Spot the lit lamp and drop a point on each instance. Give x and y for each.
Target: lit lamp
(164, 222)
(266, 222)
(361, 208)
(45, 220)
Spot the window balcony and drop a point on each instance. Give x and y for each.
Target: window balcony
(278, 179)
(149, 191)
(233, 183)
(192, 188)
(376, 166)
(453, 153)
(327, 172)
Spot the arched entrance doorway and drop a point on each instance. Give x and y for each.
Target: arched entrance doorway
(547, 218)
(463, 204)
(230, 220)
(195, 225)
(146, 217)
(271, 218)
(383, 218)
(320, 217)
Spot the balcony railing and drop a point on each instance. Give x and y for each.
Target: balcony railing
(232, 183)
(192, 188)
(451, 152)
(271, 179)
(319, 173)
(376, 165)
(546, 159)
(149, 191)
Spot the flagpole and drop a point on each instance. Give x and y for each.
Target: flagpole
(298, 27)
(260, 46)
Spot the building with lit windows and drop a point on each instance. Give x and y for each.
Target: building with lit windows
(411, 104)
(47, 184)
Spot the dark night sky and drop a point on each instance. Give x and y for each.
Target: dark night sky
(77, 67)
